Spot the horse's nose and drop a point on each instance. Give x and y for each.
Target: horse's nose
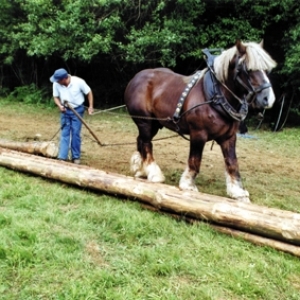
(265, 101)
(266, 98)
(269, 98)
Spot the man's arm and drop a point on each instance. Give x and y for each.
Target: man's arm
(59, 105)
(90, 98)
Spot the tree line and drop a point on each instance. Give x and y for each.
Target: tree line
(107, 41)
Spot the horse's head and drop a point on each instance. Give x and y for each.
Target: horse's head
(244, 69)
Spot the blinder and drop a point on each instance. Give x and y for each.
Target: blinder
(252, 91)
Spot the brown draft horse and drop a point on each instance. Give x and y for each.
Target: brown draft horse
(208, 105)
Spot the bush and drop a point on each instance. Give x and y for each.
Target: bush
(30, 94)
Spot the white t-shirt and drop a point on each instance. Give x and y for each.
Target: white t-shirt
(73, 93)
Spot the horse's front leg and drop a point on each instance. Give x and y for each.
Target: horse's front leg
(234, 184)
(187, 180)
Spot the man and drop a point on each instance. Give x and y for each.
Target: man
(73, 90)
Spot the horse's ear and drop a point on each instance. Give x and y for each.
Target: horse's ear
(261, 43)
(240, 47)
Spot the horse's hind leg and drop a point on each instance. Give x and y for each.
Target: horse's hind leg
(234, 184)
(142, 162)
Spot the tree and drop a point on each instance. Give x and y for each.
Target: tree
(107, 41)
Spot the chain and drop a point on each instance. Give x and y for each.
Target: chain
(55, 134)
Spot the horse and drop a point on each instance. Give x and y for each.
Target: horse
(206, 106)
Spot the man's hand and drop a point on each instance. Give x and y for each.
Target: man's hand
(90, 110)
(62, 108)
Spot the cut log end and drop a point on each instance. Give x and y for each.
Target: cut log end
(47, 149)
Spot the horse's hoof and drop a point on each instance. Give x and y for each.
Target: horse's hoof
(156, 178)
(239, 194)
(244, 199)
(191, 188)
(140, 174)
(154, 173)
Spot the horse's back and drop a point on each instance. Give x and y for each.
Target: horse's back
(150, 85)
(146, 77)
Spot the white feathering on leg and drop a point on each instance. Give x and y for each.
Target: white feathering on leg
(154, 173)
(235, 189)
(136, 165)
(187, 181)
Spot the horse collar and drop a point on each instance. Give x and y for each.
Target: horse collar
(184, 94)
(214, 94)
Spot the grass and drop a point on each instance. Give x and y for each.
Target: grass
(62, 242)
(59, 242)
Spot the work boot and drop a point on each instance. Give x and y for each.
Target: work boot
(76, 161)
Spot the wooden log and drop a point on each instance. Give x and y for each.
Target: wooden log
(254, 219)
(252, 238)
(47, 149)
(259, 240)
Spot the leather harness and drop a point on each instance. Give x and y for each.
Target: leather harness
(214, 95)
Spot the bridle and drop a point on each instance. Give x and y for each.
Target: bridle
(252, 91)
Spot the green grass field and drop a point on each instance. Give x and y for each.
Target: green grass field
(59, 242)
(64, 243)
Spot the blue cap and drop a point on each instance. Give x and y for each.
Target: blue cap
(59, 75)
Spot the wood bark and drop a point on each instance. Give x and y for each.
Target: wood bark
(47, 149)
(248, 218)
(254, 239)
(259, 240)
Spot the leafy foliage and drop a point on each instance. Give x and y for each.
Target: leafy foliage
(29, 94)
(127, 35)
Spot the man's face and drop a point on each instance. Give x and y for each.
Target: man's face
(63, 81)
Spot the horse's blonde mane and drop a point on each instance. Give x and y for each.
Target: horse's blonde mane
(255, 58)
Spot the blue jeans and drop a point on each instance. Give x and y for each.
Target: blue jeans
(70, 134)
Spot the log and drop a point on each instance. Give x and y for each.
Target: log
(271, 223)
(47, 149)
(259, 240)
(252, 238)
